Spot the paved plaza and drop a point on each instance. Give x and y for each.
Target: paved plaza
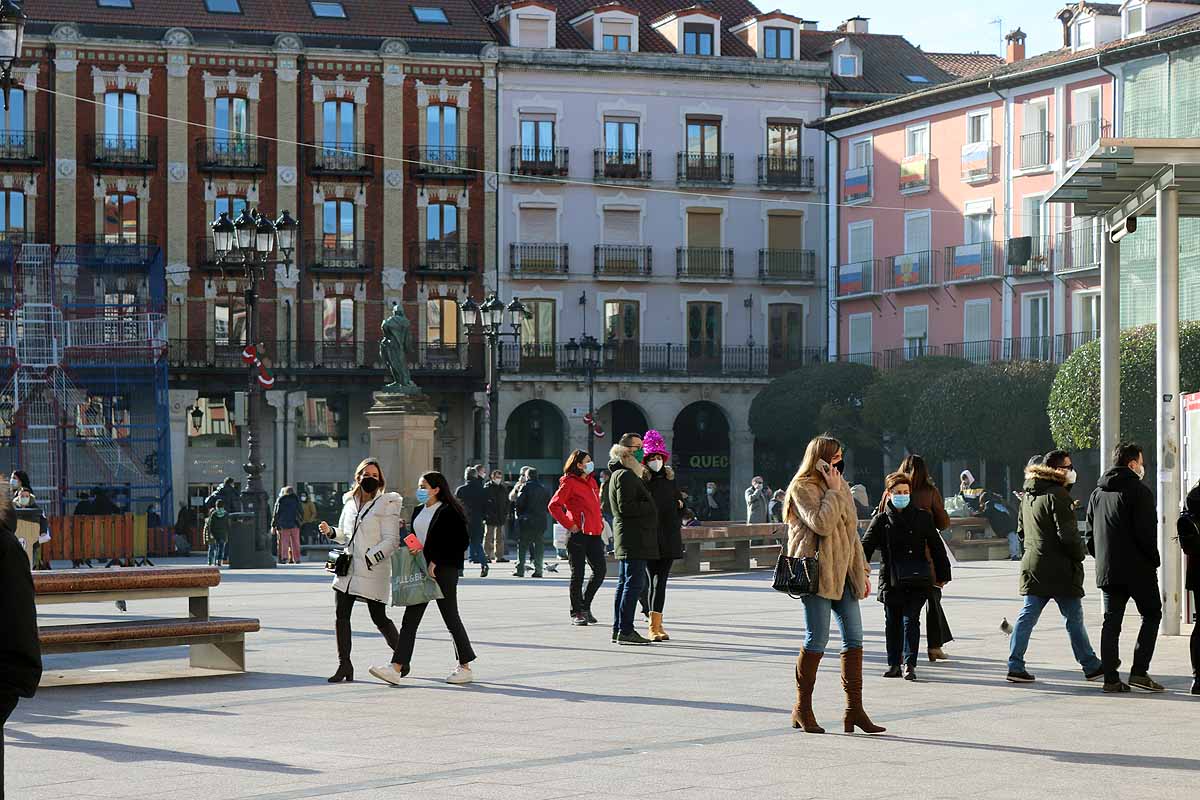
(559, 711)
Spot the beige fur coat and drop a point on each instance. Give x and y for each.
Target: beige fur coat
(814, 512)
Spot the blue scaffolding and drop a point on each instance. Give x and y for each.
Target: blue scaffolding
(85, 403)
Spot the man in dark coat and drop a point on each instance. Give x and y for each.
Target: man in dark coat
(530, 499)
(1122, 533)
(495, 515)
(1191, 544)
(635, 531)
(474, 498)
(20, 653)
(228, 492)
(1052, 567)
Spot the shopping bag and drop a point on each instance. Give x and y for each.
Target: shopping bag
(607, 535)
(560, 537)
(411, 582)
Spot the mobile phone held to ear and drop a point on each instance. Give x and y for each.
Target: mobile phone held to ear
(823, 467)
(412, 542)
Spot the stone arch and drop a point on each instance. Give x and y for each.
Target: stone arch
(535, 435)
(702, 438)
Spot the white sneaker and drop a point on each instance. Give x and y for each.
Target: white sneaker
(461, 674)
(386, 673)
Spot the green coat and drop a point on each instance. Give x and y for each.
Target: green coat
(1054, 549)
(635, 516)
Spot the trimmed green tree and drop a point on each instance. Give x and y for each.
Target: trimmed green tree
(890, 401)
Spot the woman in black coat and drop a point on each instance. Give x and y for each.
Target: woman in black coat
(913, 561)
(669, 503)
(440, 525)
(20, 652)
(1192, 584)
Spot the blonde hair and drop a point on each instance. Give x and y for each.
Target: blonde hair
(367, 462)
(821, 448)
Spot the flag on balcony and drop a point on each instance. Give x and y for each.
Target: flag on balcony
(975, 158)
(906, 270)
(914, 172)
(968, 262)
(857, 182)
(850, 279)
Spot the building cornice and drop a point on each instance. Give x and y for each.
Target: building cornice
(725, 67)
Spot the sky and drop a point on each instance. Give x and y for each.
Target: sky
(941, 26)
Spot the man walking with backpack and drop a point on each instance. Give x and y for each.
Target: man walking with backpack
(1122, 530)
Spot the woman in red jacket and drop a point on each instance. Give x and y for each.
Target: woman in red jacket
(576, 506)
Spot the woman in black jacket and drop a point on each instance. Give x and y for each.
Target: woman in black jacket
(20, 652)
(1192, 584)
(913, 561)
(669, 503)
(440, 525)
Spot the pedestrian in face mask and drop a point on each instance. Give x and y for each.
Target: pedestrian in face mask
(495, 516)
(669, 503)
(369, 529)
(576, 506)
(710, 506)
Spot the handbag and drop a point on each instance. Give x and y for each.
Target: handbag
(338, 561)
(797, 577)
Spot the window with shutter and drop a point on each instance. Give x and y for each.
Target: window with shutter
(916, 331)
(860, 334)
(977, 321)
(622, 226)
(703, 227)
(785, 232)
(861, 246)
(534, 32)
(538, 225)
(916, 232)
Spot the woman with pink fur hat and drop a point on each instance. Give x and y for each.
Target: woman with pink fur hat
(669, 502)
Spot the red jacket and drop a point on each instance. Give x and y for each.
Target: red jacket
(576, 504)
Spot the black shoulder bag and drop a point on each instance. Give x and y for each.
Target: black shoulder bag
(797, 577)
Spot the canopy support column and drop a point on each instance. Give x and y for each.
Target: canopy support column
(1167, 285)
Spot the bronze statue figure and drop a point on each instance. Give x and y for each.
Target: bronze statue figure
(393, 348)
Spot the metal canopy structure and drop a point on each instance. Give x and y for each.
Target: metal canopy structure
(1117, 181)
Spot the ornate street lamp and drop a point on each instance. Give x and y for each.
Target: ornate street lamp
(487, 320)
(12, 36)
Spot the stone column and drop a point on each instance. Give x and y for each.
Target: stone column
(491, 180)
(741, 451)
(178, 140)
(181, 400)
(65, 82)
(402, 429)
(277, 399)
(392, 256)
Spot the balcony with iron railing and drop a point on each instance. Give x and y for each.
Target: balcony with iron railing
(114, 250)
(1030, 348)
(975, 162)
(1067, 343)
(331, 254)
(707, 169)
(622, 165)
(1034, 151)
(1028, 257)
(22, 148)
(787, 172)
(340, 158)
(916, 173)
(243, 154)
(443, 258)
(622, 261)
(912, 271)
(434, 161)
(787, 266)
(1051, 349)
(538, 259)
(631, 359)
(539, 162)
(983, 351)
(857, 185)
(704, 263)
(122, 151)
(1083, 134)
(1078, 249)
(899, 356)
(968, 263)
(859, 279)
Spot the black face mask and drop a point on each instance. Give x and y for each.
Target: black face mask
(369, 484)
(840, 467)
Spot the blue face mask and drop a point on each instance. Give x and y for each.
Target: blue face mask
(422, 495)
(901, 501)
(588, 467)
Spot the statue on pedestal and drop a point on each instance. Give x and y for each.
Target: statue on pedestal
(394, 348)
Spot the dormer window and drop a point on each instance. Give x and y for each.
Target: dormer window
(777, 43)
(620, 42)
(847, 65)
(1085, 34)
(698, 39)
(616, 35)
(1135, 20)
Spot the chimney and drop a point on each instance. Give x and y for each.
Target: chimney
(855, 25)
(1015, 50)
(808, 25)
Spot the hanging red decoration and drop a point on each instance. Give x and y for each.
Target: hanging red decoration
(249, 355)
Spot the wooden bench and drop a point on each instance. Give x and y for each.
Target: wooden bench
(731, 547)
(216, 645)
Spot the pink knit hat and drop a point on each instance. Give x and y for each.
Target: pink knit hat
(652, 443)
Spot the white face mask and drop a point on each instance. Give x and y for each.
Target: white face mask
(496, 481)
(1140, 471)
(1071, 477)
(655, 465)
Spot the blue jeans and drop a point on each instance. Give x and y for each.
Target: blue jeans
(216, 552)
(1014, 546)
(1071, 609)
(816, 621)
(631, 577)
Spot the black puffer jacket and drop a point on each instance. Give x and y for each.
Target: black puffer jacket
(1122, 530)
(906, 535)
(667, 501)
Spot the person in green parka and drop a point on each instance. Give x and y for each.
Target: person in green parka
(216, 534)
(1052, 568)
(627, 497)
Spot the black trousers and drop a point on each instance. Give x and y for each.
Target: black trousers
(937, 628)
(902, 625)
(7, 704)
(654, 596)
(1149, 605)
(1195, 646)
(531, 541)
(583, 549)
(344, 604)
(447, 579)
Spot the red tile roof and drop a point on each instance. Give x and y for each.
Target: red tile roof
(887, 61)
(964, 64)
(364, 18)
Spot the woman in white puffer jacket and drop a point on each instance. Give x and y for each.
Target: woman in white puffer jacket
(370, 527)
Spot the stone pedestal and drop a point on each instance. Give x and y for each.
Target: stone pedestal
(401, 427)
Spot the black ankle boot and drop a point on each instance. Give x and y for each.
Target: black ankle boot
(1196, 684)
(345, 670)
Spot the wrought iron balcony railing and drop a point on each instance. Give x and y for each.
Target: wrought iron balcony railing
(705, 168)
(232, 154)
(787, 265)
(340, 158)
(339, 255)
(123, 151)
(443, 258)
(22, 147)
(538, 258)
(622, 165)
(539, 161)
(434, 161)
(709, 263)
(787, 172)
(623, 261)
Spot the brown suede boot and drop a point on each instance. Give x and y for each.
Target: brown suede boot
(855, 716)
(806, 677)
(657, 634)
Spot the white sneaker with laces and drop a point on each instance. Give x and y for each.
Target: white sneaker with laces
(386, 673)
(461, 674)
